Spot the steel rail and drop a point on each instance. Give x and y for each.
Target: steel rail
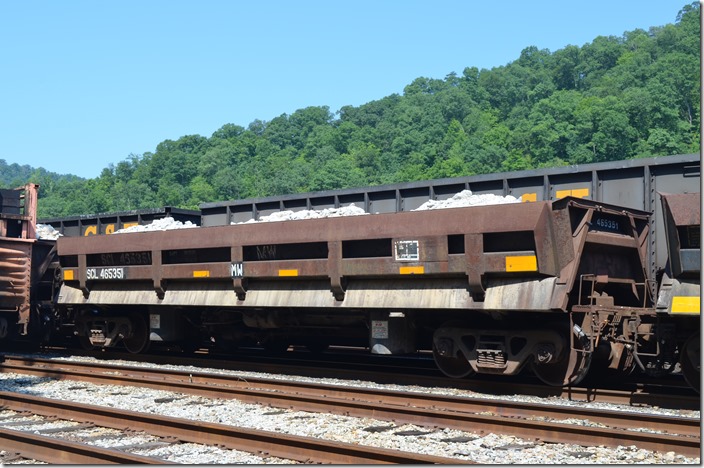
(637, 395)
(65, 452)
(263, 443)
(461, 413)
(294, 392)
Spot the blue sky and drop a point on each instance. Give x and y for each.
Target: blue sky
(84, 84)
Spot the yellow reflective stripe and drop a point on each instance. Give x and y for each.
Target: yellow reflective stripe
(288, 272)
(201, 273)
(529, 197)
(580, 193)
(521, 263)
(685, 305)
(412, 270)
(68, 275)
(577, 193)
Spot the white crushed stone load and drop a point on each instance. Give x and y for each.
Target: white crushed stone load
(467, 198)
(47, 232)
(461, 199)
(163, 224)
(288, 215)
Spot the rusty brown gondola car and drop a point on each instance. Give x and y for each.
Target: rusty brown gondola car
(495, 285)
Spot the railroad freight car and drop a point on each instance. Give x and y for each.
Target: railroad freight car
(680, 288)
(28, 269)
(489, 289)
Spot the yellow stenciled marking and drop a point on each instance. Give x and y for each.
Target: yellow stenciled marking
(288, 272)
(522, 263)
(91, 231)
(68, 275)
(580, 193)
(201, 273)
(577, 193)
(128, 225)
(412, 270)
(529, 197)
(110, 229)
(686, 305)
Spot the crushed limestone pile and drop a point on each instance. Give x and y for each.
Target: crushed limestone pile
(467, 198)
(47, 232)
(288, 215)
(461, 199)
(163, 224)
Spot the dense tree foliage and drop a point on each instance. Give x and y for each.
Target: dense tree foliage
(614, 98)
(14, 175)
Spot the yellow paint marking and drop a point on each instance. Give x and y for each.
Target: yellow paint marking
(90, 231)
(522, 263)
(686, 305)
(68, 275)
(529, 197)
(412, 270)
(128, 225)
(580, 193)
(201, 273)
(288, 272)
(577, 193)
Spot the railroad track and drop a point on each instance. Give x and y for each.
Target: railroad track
(417, 372)
(543, 423)
(37, 446)
(264, 443)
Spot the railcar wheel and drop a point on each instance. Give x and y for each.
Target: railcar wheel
(456, 367)
(138, 341)
(85, 343)
(571, 367)
(447, 351)
(690, 361)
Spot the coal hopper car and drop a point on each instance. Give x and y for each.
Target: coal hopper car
(489, 289)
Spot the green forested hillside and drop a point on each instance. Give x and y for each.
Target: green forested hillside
(14, 175)
(614, 98)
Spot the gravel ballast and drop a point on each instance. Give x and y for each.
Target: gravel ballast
(465, 446)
